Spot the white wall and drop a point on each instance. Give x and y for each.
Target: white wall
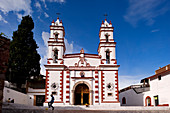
(157, 87)
(18, 97)
(109, 77)
(54, 78)
(132, 98)
(160, 88)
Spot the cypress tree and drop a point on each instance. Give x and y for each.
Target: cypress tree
(24, 58)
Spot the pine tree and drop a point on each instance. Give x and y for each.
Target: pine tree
(24, 59)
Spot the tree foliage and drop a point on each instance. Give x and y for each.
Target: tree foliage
(3, 34)
(24, 59)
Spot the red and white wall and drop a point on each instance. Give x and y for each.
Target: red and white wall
(98, 74)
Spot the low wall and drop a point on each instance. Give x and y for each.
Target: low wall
(19, 98)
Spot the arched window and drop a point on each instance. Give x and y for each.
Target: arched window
(107, 38)
(55, 55)
(107, 57)
(56, 37)
(123, 100)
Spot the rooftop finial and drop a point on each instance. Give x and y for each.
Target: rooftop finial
(82, 51)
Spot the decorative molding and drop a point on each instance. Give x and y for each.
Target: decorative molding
(82, 77)
(46, 85)
(56, 42)
(110, 101)
(57, 38)
(61, 85)
(48, 62)
(102, 86)
(109, 65)
(117, 85)
(54, 65)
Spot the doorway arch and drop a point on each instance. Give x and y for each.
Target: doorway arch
(82, 93)
(148, 101)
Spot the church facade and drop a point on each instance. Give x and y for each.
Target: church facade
(82, 78)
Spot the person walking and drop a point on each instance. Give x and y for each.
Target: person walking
(50, 104)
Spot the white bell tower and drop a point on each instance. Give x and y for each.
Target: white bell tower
(106, 48)
(56, 46)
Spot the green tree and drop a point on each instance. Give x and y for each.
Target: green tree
(24, 59)
(2, 34)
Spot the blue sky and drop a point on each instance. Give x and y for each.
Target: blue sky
(141, 29)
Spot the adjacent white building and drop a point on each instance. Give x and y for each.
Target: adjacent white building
(35, 92)
(152, 91)
(82, 78)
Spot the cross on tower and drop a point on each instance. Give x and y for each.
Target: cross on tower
(105, 15)
(58, 14)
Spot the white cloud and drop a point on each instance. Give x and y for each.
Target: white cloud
(145, 10)
(155, 30)
(72, 48)
(2, 19)
(44, 3)
(46, 15)
(16, 6)
(38, 5)
(43, 50)
(59, 1)
(126, 81)
(69, 46)
(45, 37)
(38, 17)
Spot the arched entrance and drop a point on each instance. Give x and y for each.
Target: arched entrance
(81, 94)
(148, 101)
(123, 100)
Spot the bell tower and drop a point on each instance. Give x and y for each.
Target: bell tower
(56, 46)
(106, 48)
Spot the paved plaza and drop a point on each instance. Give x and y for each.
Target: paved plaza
(18, 108)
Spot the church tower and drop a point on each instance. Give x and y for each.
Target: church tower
(106, 48)
(56, 50)
(56, 46)
(108, 64)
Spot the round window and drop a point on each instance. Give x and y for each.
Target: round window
(110, 86)
(54, 86)
(82, 74)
